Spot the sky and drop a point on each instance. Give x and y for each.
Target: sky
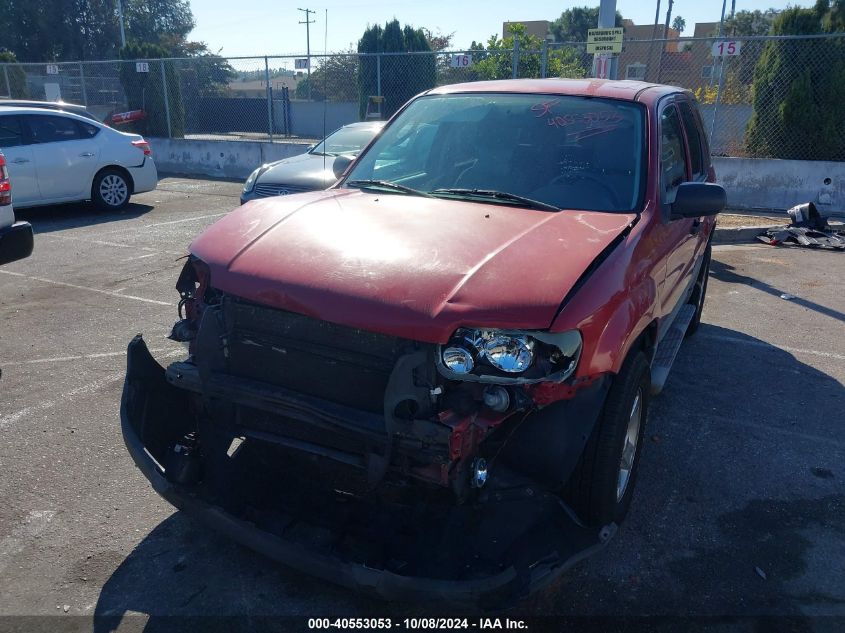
(268, 27)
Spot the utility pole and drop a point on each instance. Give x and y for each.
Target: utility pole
(308, 22)
(120, 17)
(649, 65)
(607, 20)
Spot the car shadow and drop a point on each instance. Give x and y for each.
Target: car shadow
(727, 273)
(60, 217)
(767, 514)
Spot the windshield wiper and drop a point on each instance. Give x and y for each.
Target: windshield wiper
(386, 184)
(504, 196)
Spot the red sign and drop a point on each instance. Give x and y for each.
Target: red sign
(602, 66)
(126, 117)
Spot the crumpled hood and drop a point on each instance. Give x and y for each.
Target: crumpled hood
(304, 170)
(408, 266)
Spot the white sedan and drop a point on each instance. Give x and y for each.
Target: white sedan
(56, 157)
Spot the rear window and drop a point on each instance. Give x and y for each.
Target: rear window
(50, 129)
(11, 131)
(570, 152)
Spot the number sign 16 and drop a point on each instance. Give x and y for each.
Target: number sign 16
(726, 48)
(461, 61)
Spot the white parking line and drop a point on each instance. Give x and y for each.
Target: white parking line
(136, 227)
(97, 290)
(63, 359)
(88, 240)
(11, 418)
(786, 348)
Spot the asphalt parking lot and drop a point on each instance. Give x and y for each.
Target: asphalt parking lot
(739, 509)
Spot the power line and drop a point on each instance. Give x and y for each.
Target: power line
(308, 22)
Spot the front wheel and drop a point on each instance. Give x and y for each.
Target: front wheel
(602, 485)
(110, 190)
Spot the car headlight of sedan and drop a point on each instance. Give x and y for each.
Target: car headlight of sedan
(249, 185)
(509, 356)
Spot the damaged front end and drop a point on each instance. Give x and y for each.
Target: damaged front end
(358, 457)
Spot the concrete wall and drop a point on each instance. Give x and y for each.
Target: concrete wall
(762, 183)
(306, 117)
(220, 159)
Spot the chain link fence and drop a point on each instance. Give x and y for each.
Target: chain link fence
(774, 97)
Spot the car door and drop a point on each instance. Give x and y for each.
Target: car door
(679, 235)
(699, 164)
(66, 156)
(19, 159)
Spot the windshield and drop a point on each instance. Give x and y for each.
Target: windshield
(563, 151)
(346, 140)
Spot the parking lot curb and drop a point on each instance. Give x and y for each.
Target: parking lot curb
(738, 234)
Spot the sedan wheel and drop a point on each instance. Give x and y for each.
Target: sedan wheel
(110, 191)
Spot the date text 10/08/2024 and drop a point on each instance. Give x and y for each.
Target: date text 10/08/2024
(413, 624)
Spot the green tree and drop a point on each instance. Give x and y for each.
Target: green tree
(146, 91)
(335, 79)
(679, 24)
(497, 61)
(402, 76)
(69, 30)
(17, 78)
(573, 23)
(798, 90)
(755, 22)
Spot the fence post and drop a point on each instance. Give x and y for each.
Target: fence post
(716, 104)
(544, 59)
(6, 75)
(515, 58)
(82, 84)
(166, 99)
(269, 99)
(378, 74)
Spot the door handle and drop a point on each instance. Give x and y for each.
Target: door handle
(20, 161)
(86, 154)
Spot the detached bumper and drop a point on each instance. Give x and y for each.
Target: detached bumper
(16, 242)
(151, 412)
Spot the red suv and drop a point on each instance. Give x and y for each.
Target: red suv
(431, 380)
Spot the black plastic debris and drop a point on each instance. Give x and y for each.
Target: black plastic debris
(808, 228)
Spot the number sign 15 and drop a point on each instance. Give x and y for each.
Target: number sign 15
(726, 48)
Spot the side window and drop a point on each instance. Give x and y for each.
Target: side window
(11, 131)
(86, 130)
(673, 162)
(696, 154)
(50, 129)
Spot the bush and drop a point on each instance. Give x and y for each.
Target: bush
(145, 91)
(798, 91)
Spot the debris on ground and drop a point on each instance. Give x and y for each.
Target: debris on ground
(760, 573)
(808, 228)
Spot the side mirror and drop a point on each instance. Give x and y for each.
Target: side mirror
(341, 163)
(694, 199)
(311, 147)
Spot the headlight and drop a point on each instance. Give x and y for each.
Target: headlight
(505, 356)
(249, 185)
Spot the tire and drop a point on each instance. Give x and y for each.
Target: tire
(699, 293)
(602, 485)
(111, 190)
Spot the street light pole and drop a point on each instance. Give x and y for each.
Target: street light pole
(607, 20)
(308, 22)
(120, 17)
